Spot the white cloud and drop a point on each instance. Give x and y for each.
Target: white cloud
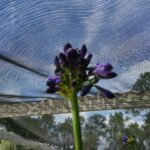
(92, 23)
(62, 117)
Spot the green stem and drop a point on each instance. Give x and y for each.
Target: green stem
(76, 122)
(135, 147)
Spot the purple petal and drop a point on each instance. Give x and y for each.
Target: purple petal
(89, 57)
(83, 52)
(52, 81)
(103, 70)
(56, 61)
(124, 138)
(58, 71)
(52, 89)
(111, 75)
(54, 78)
(108, 76)
(100, 73)
(105, 92)
(66, 47)
(106, 66)
(72, 55)
(82, 64)
(63, 59)
(85, 90)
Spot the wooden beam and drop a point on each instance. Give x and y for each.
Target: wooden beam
(133, 99)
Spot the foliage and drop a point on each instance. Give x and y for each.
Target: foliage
(31, 128)
(96, 129)
(92, 130)
(115, 130)
(12, 125)
(6, 145)
(143, 83)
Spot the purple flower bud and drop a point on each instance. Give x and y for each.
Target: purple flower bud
(85, 90)
(88, 59)
(56, 61)
(104, 70)
(72, 55)
(105, 92)
(83, 52)
(58, 71)
(67, 47)
(124, 138)
(63, 60)
(82, 64)
(52, 89)
(109, 75)
(53, 81)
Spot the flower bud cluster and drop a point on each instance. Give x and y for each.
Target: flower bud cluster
(73, 74)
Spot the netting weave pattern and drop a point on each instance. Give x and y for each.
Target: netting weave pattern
(33, 32)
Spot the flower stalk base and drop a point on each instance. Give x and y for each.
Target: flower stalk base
(76, 122)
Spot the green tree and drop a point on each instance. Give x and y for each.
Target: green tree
(134, 130)
(65, 132)
(94, 127)
(143, 83)
(117, 125)
(115, 130)
(146, 130)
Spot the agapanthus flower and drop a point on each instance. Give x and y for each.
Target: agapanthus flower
(72, 75)
(72, 72)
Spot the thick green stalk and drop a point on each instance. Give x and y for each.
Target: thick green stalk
(135, 147)
(76, 122)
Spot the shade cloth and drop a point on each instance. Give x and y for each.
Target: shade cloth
(33, 32)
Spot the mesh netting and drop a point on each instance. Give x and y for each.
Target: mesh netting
(33, 32)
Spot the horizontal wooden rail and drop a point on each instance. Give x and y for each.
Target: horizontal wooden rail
(133, 99)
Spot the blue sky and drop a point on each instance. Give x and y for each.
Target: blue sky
(133, 119)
